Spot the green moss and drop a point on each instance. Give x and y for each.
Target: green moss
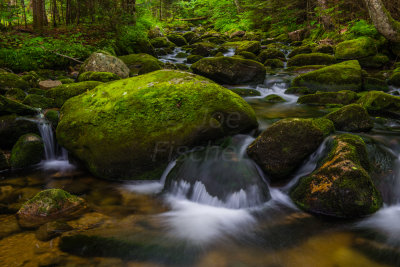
(177, 39)
(395, 78)
(248, 55)
(230, 70)
(141, 63)
(271, 53)
(62, 93)
(376, 61)
(161, 42)
(38, 101)
(245, 92)
(326, 49)
(298, 90)
(193, 58)
(376, 102)
(248, 46)
(27, 151)
(126, 128)
(375, 84)
(341, 186)
(53, 117)
(328, 98)
(274, 99)
(274, 63)
(306, 49)
(343, 76)
(307, 68)
(190, 37)
(16, 94)
(203, 49)
(32, 78)
(97, 76)
(36, 91)
(10, 80)
(356, 49)
(311, 59)
(8, 106)
(351, 118)
(67, 81)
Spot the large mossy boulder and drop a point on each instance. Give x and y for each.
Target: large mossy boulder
(380, 103)
(340, 186)
(227, 70)
(97, 76)
(12, 128)
(101, 62)
(10, 80)
(62, 93)
(38, 101)
(351, 118)
(311, 59)
(50, 205)
(248, 46)
(203, 49)
(344, 97)
(283, 147)
(129, 129)
(9, 106)
(28, 150)
(161, 42)
(177, 39)
(343, 76)
(141, 63)
(356, 49)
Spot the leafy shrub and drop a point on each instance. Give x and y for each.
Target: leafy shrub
(363, 28)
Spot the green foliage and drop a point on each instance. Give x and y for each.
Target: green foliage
(362, 28)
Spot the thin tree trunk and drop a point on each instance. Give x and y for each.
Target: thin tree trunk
(54, 12)
(24, 12)
(326, 18)
(383, 21)
(238, 7)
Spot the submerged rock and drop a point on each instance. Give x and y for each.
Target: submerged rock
(282, 148)
(50, 205)
(141, 63)
(100, 62)
(62, 93)
(376, 102)
(375, 84)
(351, 118)
(328, 98)
(12, 128)
(341, 186)
(97, 76)
(311, 59)
(130, 129)
(8, 106)
(228, 70)
(343, 76)
(28, 150)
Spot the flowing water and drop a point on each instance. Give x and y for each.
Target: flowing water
(211, 207)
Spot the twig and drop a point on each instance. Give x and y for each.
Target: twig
(61, 55)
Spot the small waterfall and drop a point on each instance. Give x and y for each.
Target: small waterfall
(171, 58)
(230, 52)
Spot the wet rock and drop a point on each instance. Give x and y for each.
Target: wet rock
(324, 48)
(375, 84)
(351, 118)
(298, 91)
(395, 78)
(355, 49)
(28, 150)
(193, 58)
(141, 63)
(376, 61)
(97, 76)
(297, 35)
(282, 148)
(343, 76)
(341, 186)
(247, 55)
(271, 53)
(329, 98)
(8, 106)
(100, 62)
(246, 92)
(161, 42)
(16, 94)
(202, 49)
(172, 110)
(53, 117)
(240, 46)
(230, 70)
(51, 230)
(48, 84)
(191, 37)
(274, 99)
(274, 63)
(376, 102)
(311, 59)
(13, 127)
(10, 80)
(237, 34)
(306, 49)
(62, 93)
(38, 101)
(50, 205)
(177, 39)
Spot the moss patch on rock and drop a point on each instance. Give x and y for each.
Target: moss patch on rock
(245, 92)
(16, 94)
(271, 53)
(351, 118)
(328, 98)
(97, 76)
(177, 39)
(141, 63)
(274, 63)
(311, 59)
(355, 49)
(274, 99)
(248, 46)
(376, 102)
(10, 80)
(9, 106)
(28, 150)
(38, 101)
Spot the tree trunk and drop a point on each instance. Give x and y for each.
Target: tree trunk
(326, 18)
(54, 13)
(238, 7)
(383, 21)
(38, 18)
(24, 12)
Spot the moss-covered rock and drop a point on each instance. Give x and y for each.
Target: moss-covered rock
(36, 91)
(380, 103)
(62, 93)
(343, 76)
(311, 59)
(274, 99)
(375, 62)
(355, 49)
(100, 62)
(329, 98)
(240, 46)
(298, 91)
(161, 42)
(375, 84)
(38, 101)
(4, 165)
(50, 205)
(67, 81)
(245, 92)
(306, 49)
(191, 37)
(8, 106)
(12, 128)
(341, 186)
(32, 78)
(177, 39)
(97, 76)
(16, 94)
(248, 55)
(351, 118)
(203, 49)
(271, 53)
(141, 63)
(28, 151)
(230, 70)
(193, 58)
(395, 78)
(274, 63)
(128, 129)
(53, 117)
(10, 80)
(324, 48)
(283, 147)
